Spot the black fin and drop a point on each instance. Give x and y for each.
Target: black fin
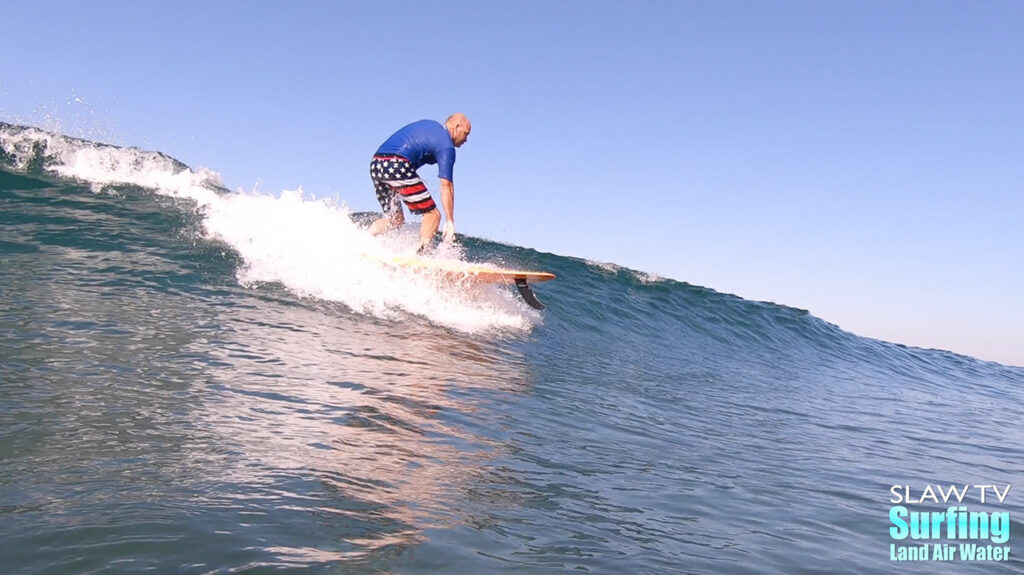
(527, 292)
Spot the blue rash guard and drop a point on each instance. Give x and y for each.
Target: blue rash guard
(423, 142)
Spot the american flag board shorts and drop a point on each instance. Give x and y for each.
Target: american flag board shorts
(393, 178)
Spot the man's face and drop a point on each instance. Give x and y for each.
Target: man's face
(461, 133)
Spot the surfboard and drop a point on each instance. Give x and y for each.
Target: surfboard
(459, 271)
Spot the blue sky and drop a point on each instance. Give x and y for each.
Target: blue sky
(862, 160)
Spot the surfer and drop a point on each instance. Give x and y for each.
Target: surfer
(393, 171)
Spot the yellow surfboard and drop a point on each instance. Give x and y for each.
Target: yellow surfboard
(456, 271)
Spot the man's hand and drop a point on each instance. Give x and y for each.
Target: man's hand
(449, 232)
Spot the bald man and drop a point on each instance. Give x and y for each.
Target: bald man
(393, 171)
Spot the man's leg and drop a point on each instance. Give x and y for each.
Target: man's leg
(390, 204)
(431, 221)
(387, 223)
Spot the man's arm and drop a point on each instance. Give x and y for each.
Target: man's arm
(448, 205)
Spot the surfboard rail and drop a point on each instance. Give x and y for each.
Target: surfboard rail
(457, 270)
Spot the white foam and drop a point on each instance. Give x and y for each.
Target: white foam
(604, 267)
(102, 165)
(316, 250)
(310, 246)
(648, 277)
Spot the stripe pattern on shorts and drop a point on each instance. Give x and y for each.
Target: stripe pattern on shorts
(393, 178)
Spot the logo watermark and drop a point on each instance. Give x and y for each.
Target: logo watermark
(957, 533)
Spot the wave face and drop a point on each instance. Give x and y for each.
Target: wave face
(199, 381)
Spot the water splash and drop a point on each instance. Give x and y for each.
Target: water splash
(312, 247)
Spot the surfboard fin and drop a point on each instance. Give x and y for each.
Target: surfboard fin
(527, 292)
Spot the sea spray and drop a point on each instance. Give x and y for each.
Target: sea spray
(312, 247)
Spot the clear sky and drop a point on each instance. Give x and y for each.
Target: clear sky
(862, 159)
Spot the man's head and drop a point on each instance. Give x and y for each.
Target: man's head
(459, 127)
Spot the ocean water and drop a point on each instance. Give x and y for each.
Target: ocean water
(194, 380)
